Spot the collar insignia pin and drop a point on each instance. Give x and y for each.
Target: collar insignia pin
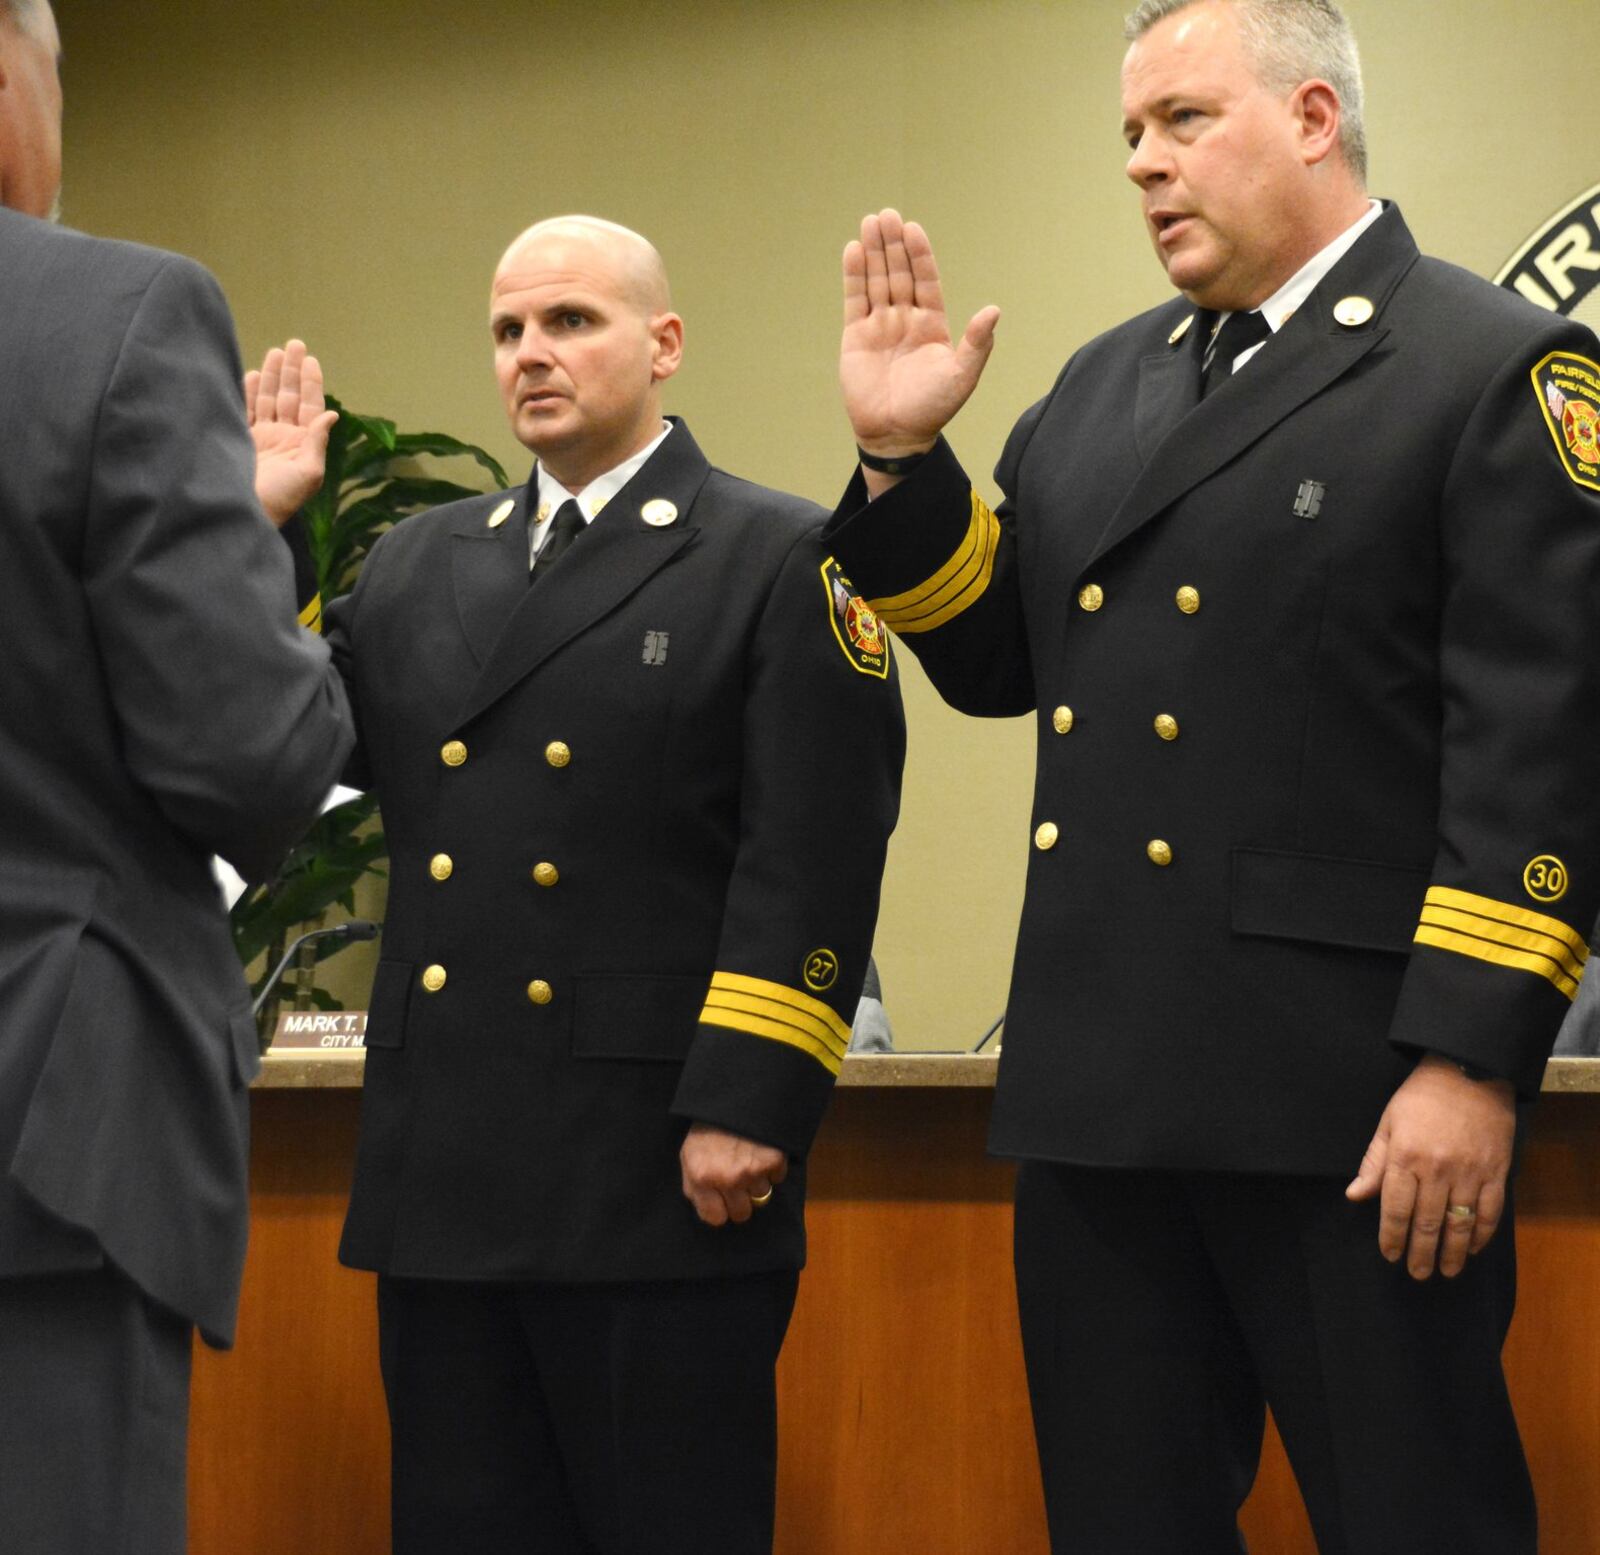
(1180, 331)
(1353, 312)
(658, 512)
(502, 513)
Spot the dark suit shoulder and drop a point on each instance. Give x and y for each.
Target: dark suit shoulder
(1501, 320)
(106, 269)
(766, 525)
(434, 525)
(745, 501)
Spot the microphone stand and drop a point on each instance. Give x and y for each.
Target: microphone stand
(355, 929)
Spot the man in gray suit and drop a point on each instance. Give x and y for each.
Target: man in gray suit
(159, 704)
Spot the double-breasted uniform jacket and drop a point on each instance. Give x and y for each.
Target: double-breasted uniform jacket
(637, 815)
(1316, 669)
(157, 705)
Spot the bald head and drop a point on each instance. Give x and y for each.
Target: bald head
(631, 261)
(584, 337)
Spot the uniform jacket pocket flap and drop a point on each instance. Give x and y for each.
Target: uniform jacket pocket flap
(1332, 901)
(622, 1016)
(391, 994)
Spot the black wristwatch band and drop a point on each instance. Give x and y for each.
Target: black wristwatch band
(904, 465)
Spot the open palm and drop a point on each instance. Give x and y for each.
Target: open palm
(903, 379)
(289, 422)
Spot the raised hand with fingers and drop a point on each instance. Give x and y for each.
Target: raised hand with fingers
(903, 378)
(290, 423)
(1438, 1165)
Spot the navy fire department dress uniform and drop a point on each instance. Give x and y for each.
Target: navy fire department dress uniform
(1316, 671)
(637, 816)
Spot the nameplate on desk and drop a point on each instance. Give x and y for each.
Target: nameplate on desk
(320, 1031)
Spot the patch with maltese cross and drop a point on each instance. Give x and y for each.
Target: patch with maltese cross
(1558, 269)
(860, 633)
(1569, 394)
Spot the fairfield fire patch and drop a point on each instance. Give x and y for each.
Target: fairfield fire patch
(860, 633)
(1568, 387)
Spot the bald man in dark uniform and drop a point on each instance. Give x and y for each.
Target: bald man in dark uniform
(637, 799)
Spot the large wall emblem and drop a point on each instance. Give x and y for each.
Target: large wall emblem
(1559, 266)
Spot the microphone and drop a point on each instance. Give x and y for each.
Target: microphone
(983, 1041)
(356, 928)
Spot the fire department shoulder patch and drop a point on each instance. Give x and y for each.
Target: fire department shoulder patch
(860, 633)
(1568, 387)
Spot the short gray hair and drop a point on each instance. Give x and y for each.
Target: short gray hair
(19, 12)
(1291, 41)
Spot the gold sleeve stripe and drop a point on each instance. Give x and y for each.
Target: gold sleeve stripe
(1499, 955)
(756, 1026)
(775, 1002)
(1545, 945)
(1508, 912)
(774, 1013)
(834, 1029)
(311, 615)
(956, 585)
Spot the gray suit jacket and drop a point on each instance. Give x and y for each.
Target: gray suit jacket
(158, 703)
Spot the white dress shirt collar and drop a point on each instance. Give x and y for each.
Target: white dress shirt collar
(549, 493)
(1282, 305)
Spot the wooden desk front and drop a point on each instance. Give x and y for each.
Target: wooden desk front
(904, 1414)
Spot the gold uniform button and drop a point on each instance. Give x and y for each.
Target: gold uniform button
(433, 979)
(540, 992)
(545, 874)
(441, 866)
(1062, 719)
(454, 753)
(1160, 853)
(1188, 600)
(1091, 596)
(1166, 726)
(1047, 836)
(557, 753)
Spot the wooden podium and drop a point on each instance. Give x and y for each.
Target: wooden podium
(904, 1423)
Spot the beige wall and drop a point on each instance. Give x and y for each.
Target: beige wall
(352, 168)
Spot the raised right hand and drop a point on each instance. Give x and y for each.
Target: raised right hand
(902, 378)
(289, 422)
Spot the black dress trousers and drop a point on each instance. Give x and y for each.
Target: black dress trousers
(585, 1419)
(1162, 1310)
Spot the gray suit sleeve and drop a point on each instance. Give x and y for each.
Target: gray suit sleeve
(231, 714)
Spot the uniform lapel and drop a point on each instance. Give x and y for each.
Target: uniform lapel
(609, 562)
(1308, 354)
(1169, 383)
(489, 571)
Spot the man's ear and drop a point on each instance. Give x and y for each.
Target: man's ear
(666, 331)
(1316, 106)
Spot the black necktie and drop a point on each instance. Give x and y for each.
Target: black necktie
(565, 527)
(1241, 331)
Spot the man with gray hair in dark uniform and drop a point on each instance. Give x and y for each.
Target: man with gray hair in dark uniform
(1296, 572)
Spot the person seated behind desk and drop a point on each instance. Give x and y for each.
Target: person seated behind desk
(870, 1031)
